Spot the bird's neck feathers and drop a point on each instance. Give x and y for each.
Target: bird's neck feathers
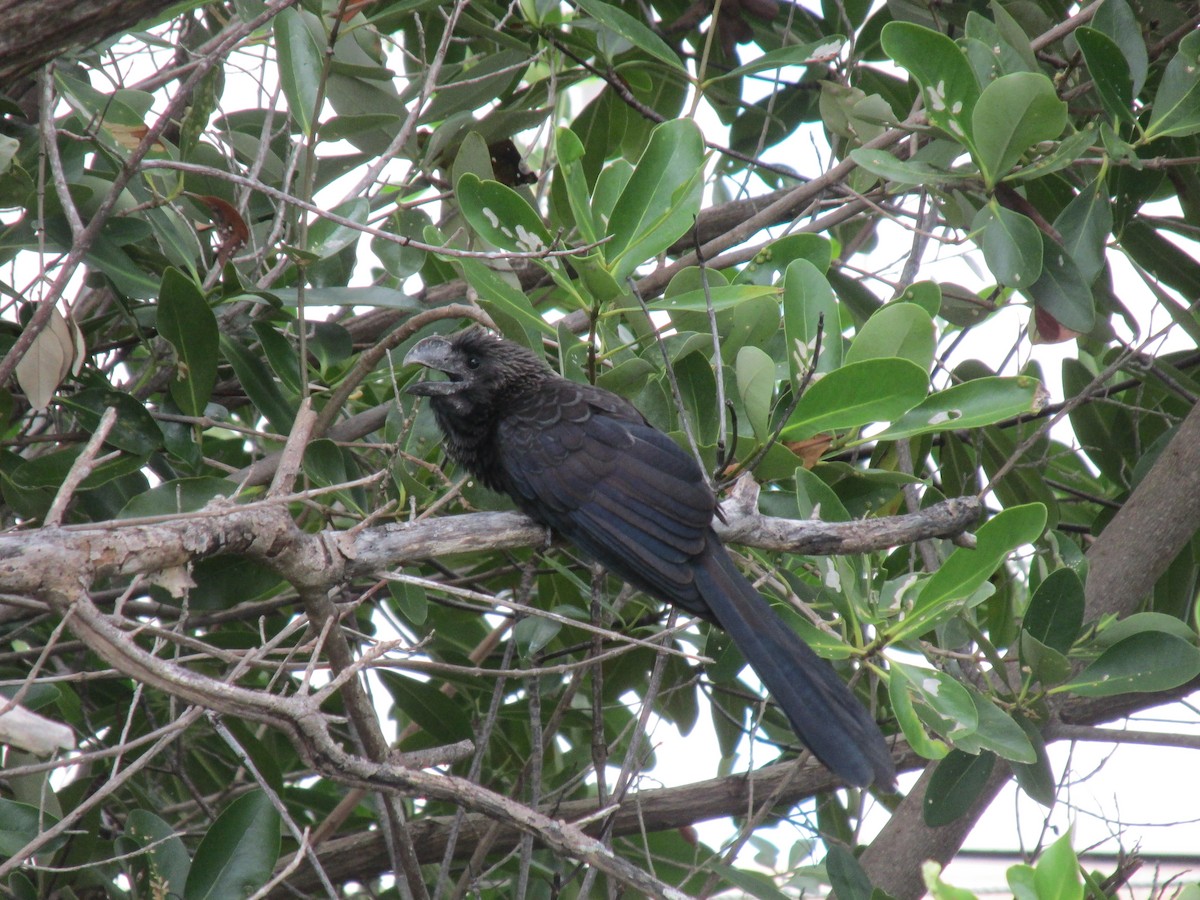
(507, 377)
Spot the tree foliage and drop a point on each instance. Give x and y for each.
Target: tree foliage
(258, 636)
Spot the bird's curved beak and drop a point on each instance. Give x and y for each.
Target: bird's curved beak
(435, 353)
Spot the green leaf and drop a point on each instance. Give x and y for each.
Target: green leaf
(905, 171)
(165, 858)
(1110, 73)
(188, 325)
(300, 64)
(943, 71)
(809, 308)
(327, 238)
(177, 496)
(1014, 112)
(1055, 612)
(1036, 778)
(723, 296)
(794, 55)
(20, 823)
(778, 255)
(1145, 662)
(1086, 224)
(661, 199)
(942, 702)
(996, 731)
(846, 874)
(421, 701)
(955, 785)
(533, 633)
(501, 215)
(966, 569)
(136, 430)
(1115, 19)
(1056, 874)
(1177, 104)
(900, 690)
(495, 291)
(570, 152)
(238, 852)
(1045, 664)
(756, 386)
(1062, 290)
(1012, 245)
(255, 378)
(620, 22)
(874, 390)
(972, 404)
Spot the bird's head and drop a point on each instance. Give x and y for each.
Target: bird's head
(480, 368)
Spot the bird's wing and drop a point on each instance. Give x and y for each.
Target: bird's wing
(585, 463)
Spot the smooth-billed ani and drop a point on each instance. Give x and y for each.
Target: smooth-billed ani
(584, 462)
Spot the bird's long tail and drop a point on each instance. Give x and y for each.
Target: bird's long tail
(823, 712)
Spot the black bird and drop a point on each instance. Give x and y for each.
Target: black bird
(584, 462)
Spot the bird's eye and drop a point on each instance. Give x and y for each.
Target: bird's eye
(472, 362)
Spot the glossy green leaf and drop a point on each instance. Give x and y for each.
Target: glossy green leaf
(238, 852)
(661, 199)
(900, 691)
(1044, 664)
(1117, 20)
(136, 430)
(809, 311)
(941, 701)
(966, 569)
(1176, 110)
(165, 857)
(1086, 225)
(1141, 622)
(1110, 73)
(620, 22)
(956, 784)
(1055, 612)
(494, 289)
(874, 390)
(1145, 662)
(189, 326)
(793, 55)
(180, 495)
(570, 152)
(300, 65)
(1062, 155)
(722, 297)
(778, 255)
(846, 874)
(20, 823)
(1036, 778)
(256, 379)
(1014, 112)
(501, 215)
(1062, 291)
(533, 633)
(972, 404)
(423, 703)
(327, 237)
(996, 731)
(1012, 245)
(1056, 874)
(905, 171)
(901, 330)
(947, 80)
(755, 372)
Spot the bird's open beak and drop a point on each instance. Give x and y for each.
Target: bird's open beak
(434, 353)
